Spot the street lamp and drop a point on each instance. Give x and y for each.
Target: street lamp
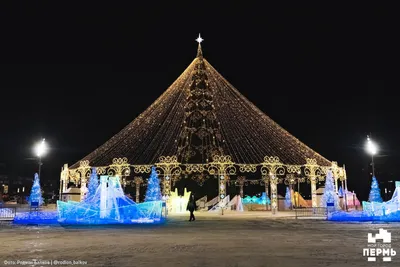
(371, 149)
(40, 150)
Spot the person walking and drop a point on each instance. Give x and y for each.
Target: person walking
(191, 206)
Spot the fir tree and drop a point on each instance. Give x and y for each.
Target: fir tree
(375, 193)
(330, 195)
(288, 200)
(36, 191)
(153, 192)
(93, 184)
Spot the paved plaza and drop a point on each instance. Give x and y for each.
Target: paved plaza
(251, 239)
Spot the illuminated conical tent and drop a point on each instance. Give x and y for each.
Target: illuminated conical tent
(200, 115)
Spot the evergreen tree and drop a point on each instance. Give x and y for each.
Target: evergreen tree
(288, 200)
(153, 192)
(36, 191)
(330, 195)
(93, 184)
(375, 193)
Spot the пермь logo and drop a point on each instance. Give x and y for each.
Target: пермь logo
(383, 249)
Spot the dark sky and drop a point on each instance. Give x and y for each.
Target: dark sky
(78, 74)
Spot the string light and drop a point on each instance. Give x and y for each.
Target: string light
(199, 115)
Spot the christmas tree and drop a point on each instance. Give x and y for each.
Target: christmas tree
(36, 191)
(375, 193)
(93, 184)
(330, 195)
(288, 200)
(153, 192)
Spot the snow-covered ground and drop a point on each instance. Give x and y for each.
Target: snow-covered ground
(252, 239)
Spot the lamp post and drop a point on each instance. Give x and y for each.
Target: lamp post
(40, 150)
(371, 149)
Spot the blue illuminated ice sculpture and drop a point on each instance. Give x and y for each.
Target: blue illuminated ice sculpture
(262, 200)
(388, 211)
(109, 205)
(36, 192)
(288, 198)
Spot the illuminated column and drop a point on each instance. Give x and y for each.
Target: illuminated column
(342, 175)
(266, 187)
(83, 187)
(336, 183)
(81, 175)
(168, 166)
(335, 171)
(222, 187)
(63, 180)
(241, 180)
(138, 181)
(274, 193)
(311, 168)
(314, 191)
(166, 186)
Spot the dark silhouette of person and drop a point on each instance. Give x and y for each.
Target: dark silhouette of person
(191, 206)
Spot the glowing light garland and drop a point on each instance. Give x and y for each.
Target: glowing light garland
(201, 112)
(197, 123)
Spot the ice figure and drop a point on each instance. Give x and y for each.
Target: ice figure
(375, 193)
(384, 208)
(36, 191)
(93, 184)
(262, 200)
(239, 204)
(179, 203)
(388, 211)
(288, 198)
(330, 195)
(153, 192)
(109, 205)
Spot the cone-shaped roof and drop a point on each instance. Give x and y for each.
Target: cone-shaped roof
(201, 114)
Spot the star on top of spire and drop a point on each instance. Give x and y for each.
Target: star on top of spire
(199, 52)
(199, 39)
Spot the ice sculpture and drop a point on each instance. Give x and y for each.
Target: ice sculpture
(330, 197)
(263, 200)
(178, 203)
(93, 184)
(388, 211)
(384, 208)
(288, 198)
(375, 193)
(36, 217)
(109, 205)
(239, 204)
(153, 192)
(36, 191)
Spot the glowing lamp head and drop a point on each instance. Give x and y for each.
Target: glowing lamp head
(371, 147)
(41, 148)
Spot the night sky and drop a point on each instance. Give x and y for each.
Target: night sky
(77, 74)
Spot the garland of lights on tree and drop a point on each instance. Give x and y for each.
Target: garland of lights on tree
(330, 196)
(153, 192)
(36, 191)
(202, 127)
(375, 193)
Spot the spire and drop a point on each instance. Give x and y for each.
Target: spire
(199, 52)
